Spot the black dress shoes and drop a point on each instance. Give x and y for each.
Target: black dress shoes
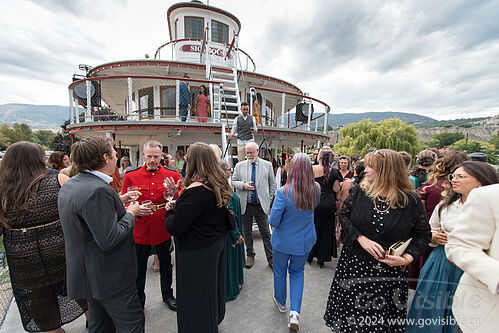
(171, 302)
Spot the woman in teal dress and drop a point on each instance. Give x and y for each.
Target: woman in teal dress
(234, 251)
(431, 311)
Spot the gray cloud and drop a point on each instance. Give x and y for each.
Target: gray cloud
(91, 9)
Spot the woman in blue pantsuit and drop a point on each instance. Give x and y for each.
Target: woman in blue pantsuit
(294, 235)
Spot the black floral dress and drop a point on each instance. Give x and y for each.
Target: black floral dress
(34, 245)
(366, 295)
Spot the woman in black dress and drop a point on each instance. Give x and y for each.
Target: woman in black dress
(329, 179)
(33, 239)
(198, 222)
(369, 289)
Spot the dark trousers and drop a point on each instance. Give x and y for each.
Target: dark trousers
(256, 211)
(165, 269)
(121, 313)
(183, 112)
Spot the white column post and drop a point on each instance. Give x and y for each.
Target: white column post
(177, 96)
(264, 112)
(252, 91)
(130, 97)
(71, 107)
(224, 142)
(88, 113)
(157, 102)
(283, 101)
(316, 124)
(325, 119)
(77, 110)
(212, 109)
(309, 114)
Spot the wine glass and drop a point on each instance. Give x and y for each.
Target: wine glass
(134, 192)
(168, 193)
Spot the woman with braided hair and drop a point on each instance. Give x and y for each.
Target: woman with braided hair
(431, 194)
(329, 179)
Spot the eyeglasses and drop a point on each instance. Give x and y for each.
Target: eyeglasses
(375, 152)
(456, 177)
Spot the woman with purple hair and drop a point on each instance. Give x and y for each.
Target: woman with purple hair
(294, 235)
(329, 179)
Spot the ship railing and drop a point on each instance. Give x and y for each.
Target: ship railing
(136, 98)
(141, 97)
(227, 52)
(289, 103)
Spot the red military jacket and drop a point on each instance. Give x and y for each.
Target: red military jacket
(150, 230)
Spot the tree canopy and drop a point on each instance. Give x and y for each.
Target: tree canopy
(22, 132)
(388, 134)
(474, 146)
(446, 139)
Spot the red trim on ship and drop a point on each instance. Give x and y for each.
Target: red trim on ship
(133, 63)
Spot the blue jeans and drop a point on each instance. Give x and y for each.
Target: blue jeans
(296, 265)
(183, 112)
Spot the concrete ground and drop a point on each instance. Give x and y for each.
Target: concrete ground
(253, 310)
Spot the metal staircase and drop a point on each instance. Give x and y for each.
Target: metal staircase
(226, 101)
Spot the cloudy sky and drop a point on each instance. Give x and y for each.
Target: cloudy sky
(435, 58)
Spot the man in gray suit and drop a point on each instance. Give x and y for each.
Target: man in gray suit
(255, 185)
(101, 266)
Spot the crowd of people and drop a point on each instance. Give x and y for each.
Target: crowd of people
(79, 231)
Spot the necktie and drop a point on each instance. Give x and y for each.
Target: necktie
(253, 199)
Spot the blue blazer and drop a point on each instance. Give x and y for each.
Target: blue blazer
(294, 230)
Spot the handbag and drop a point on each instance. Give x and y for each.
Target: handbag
(231, 219)
(398, 248)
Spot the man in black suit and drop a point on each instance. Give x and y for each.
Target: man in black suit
(101, 263)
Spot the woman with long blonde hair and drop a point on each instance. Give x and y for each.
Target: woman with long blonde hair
(198, 222)
(369, 282)
(294, 234)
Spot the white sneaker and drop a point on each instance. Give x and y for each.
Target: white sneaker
(293, 322)
(281, 308)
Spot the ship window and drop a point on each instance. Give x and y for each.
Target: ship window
(168, 96)
(219, 32)
(146, 102)
(194, 27)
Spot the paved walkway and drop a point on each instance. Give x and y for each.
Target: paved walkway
(253, 310)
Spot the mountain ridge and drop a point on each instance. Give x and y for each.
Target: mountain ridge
(52, 116)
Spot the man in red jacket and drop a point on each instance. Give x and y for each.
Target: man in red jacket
(150, 222)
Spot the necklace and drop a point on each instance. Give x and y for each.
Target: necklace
(382, 200)
(381, 209)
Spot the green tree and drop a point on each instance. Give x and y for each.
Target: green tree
(446, 139)
(473, 146)
(494, 139)
(4, 141)
(44, 138)
(62, 142)
(389, 134)
(8, 133)
(22, 132)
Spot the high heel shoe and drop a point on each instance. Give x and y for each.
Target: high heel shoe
(321, 264)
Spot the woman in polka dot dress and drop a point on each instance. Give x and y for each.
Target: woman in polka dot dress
(369, 289)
